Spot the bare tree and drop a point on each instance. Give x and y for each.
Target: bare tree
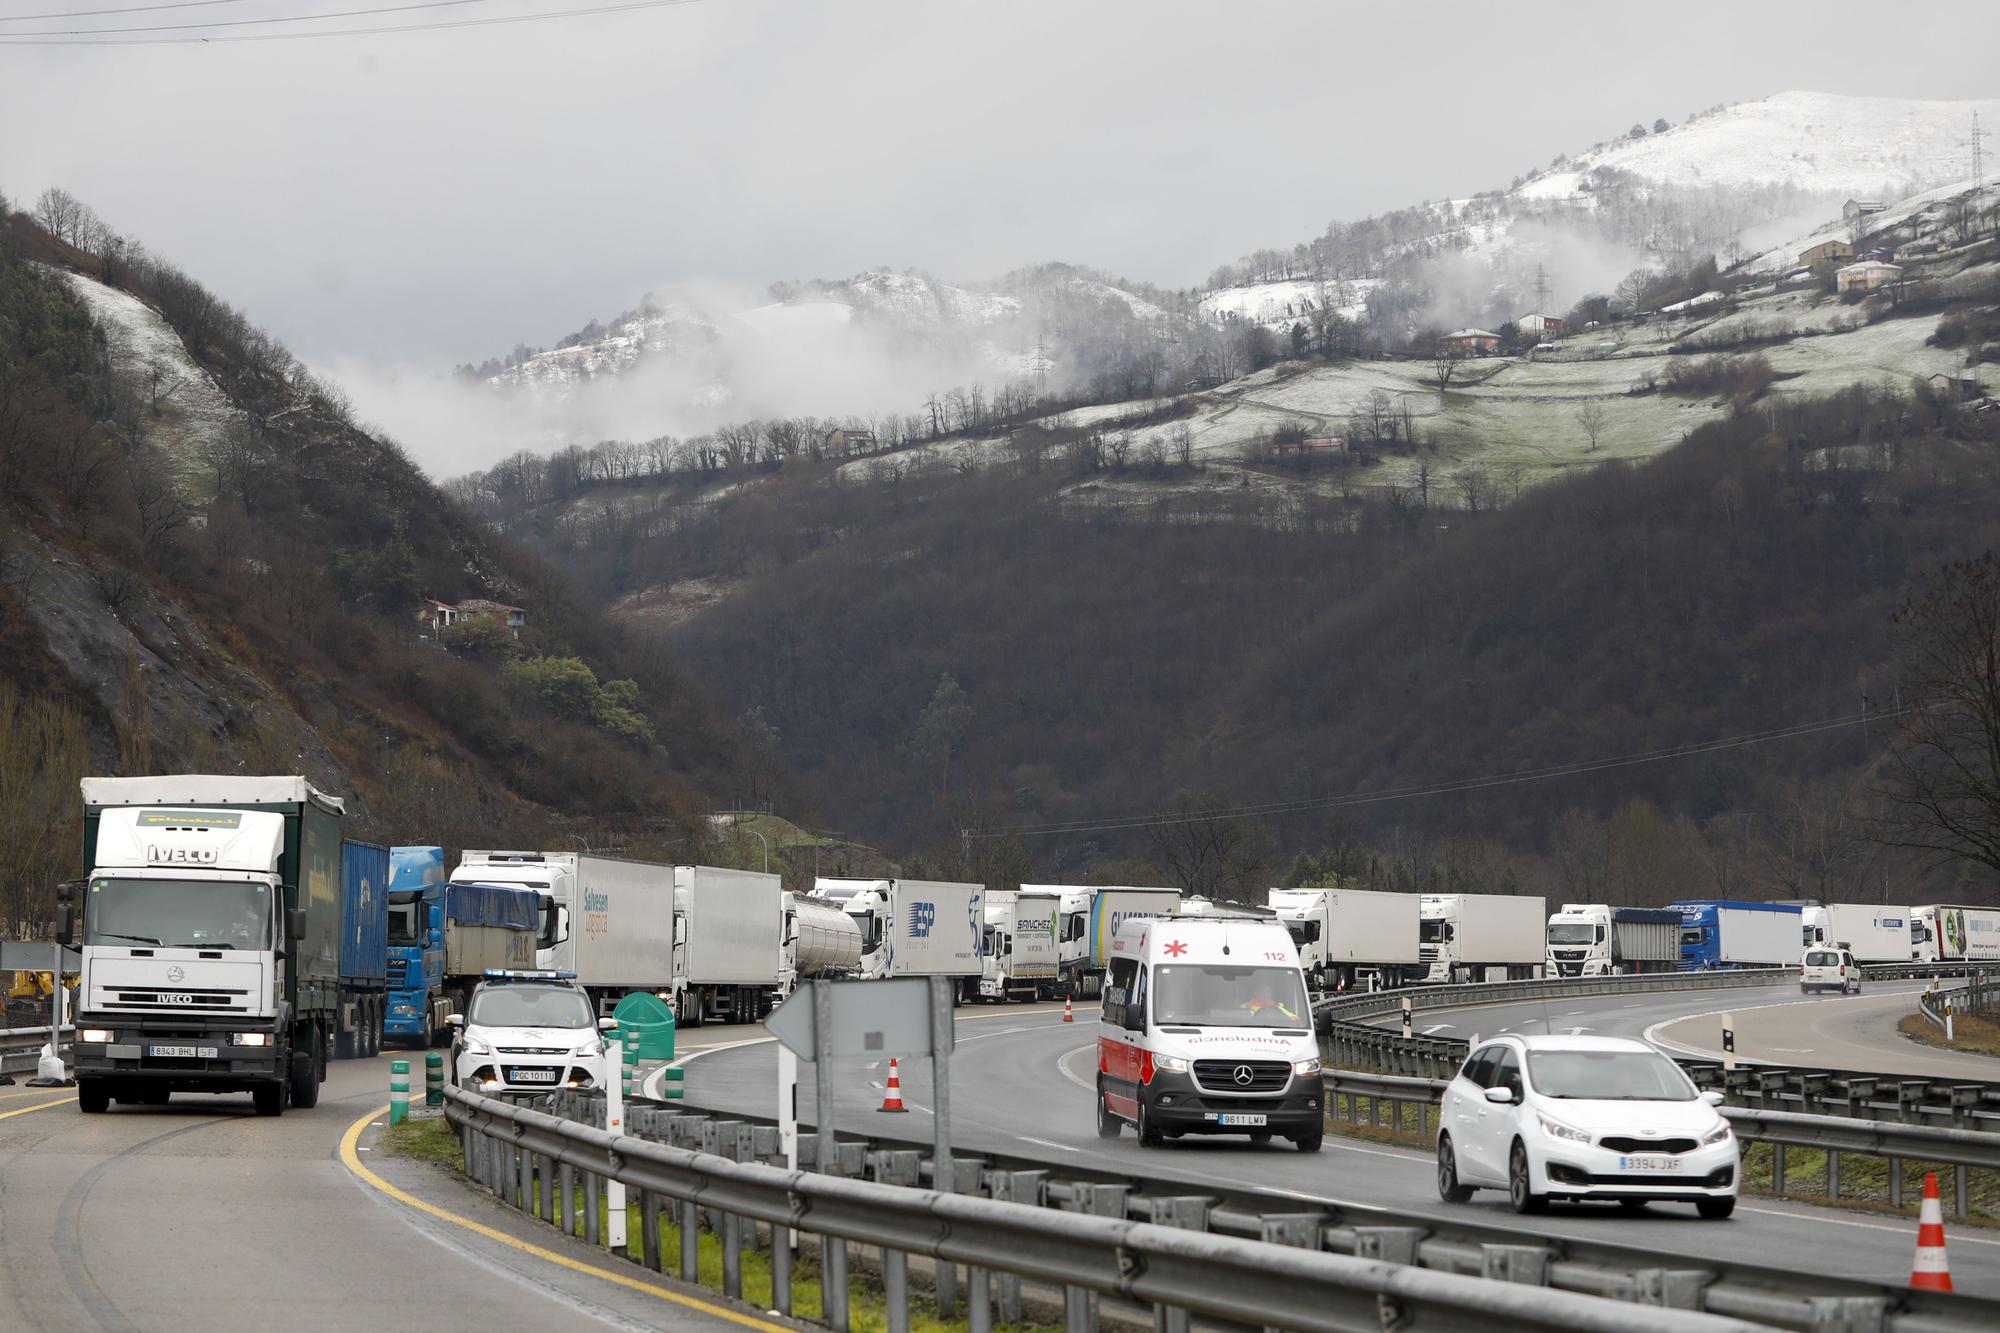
(1592, 418)
(1944, 768)
(1207, 850)
(60, 214)
(1473, 486)
(1446, 362)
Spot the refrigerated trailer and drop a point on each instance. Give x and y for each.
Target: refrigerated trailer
(1481, 936)
(1739, 934)
(1020, 943)
(914, 927)
(1351, 938)
(1872, 932)
(1946, 934)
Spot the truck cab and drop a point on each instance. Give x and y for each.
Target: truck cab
(1207, 1029)
(1021, 948)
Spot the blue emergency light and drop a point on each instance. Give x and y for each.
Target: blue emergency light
(515, 974)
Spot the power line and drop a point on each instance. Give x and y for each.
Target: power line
(254, 23)
(20, 39)
(1167, 818)
(127, 9)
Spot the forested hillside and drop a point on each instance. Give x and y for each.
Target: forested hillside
(209, 566)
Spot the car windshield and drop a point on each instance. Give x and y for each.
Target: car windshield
(179, 913)
(1218, 995)
(1572, 932)
(531, 1007)
(1608, 1076)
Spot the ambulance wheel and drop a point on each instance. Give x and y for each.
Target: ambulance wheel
(1108, 1124)
(1149, 1133)
(1311, 1141)
(1261, 1137)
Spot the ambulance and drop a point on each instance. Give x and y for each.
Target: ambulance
(1207, 1030)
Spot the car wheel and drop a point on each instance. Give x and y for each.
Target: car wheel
(1520, 1183)
(1108, 1124)
(1715, 1210)
(1804, 989)
(1449, 1188)
(1149, 1133)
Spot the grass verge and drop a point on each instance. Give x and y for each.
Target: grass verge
(1970, 1032)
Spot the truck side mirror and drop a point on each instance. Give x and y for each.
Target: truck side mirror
(295, 924)
(65, 924)
(66, 891)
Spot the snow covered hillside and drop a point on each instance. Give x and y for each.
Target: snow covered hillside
(1816, 142)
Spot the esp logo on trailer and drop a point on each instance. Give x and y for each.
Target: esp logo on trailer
(922, 917)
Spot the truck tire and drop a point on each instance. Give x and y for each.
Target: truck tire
(305, 1079)
(268, 1098)
(93, 1096)
(348, 1044)
(375, 1027)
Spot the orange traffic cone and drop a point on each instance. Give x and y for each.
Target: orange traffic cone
(1069, 1015)
(892, 1100)
(1932, 1271)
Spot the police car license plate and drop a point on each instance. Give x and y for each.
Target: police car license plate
(1240, 1119)
(182, 1052)
(1646, 1164)
(533, 1076)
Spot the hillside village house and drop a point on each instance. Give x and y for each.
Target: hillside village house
(1959, 385)
(1472, 342)
(1855, 209)
(1827, 255)
(849, 440)
(1545, 326)
(440, 616)
(1866, 277)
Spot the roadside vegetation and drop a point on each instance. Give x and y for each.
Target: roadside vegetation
(1977, 1033)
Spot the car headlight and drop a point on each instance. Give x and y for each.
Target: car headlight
(1556, 1129)
(97, 1035)
(1173, 1064)
(1306, 1066)
(474, 1046)
(590, 1050)
(250, 1038)
(1722, 1133)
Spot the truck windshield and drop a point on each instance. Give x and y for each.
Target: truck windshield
(1214, 995)
(1435, 931)
(178, 913)
(1694, 936)
(531, 1007)
(1572, 932)
(1608, 1076)
(406, 912)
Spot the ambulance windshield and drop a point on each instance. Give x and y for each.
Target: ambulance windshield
(1219, 995)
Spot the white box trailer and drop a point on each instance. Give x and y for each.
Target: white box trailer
(914, 927)
(1482, 936)
(729, 943)
(1351, 938)
(1947, 933)
(1090, 917)
(622, 926)
(1020, 943)
(1876, 933)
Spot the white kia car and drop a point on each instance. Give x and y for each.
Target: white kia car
(528, 1032)
(1583, 1118)
(1829, 969)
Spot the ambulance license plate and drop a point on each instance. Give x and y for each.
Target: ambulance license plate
(181, 1052)
(1240, 1119)
(1646, 1164)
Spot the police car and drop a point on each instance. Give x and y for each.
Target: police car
(525, 1033)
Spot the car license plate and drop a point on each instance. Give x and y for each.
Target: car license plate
(534, 1076)
(1646, 1164)
(182, 1052)
(1242, 1119)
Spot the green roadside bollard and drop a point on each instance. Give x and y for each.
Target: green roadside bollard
(433, 1079)
(399, 1091)
(646, 1031)
(628, 1058)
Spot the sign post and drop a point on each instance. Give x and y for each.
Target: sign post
(614, 1125)
(944, 1176)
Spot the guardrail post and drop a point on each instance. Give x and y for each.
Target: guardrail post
(1014, 1187)
(1959, 1192)
(978, 1301)
(896, 1289)
(1895, 1182)
(546, 1177)
(1778, 1168)
(1833, 1173)
(690, 1216)
(566, 1196)
(649, 1230)
(1096, 1199)
(525, 1178)
(592, 1224)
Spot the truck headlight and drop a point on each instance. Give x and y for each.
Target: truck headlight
(250, 1038)
(1173, 1064)
(98, 1036)
(1722, 1133)
(1556, 1129)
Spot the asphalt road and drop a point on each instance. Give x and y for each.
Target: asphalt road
(1774, 1024)
(1022, 1085)
(201, 1215)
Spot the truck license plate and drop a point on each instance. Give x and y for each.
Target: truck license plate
(534, 1076)
(1646, 1164)
(182, 1052)
(1241, 1119)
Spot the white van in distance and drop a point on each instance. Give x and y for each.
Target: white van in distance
(1207, 1030)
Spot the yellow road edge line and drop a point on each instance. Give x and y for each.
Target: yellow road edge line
(352, 1160)
(38, 1106)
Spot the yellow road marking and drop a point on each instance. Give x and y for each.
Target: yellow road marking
(352, 1159)
(38, 1106)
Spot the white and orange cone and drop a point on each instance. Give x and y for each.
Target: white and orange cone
(1069, 1015)
(1932, 1271)
(892, 1099)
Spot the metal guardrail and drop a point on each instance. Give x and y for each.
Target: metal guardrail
(525, 1157)
(21, 1048)
(1643, 1276)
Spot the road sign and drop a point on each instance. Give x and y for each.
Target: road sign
(35, 956)
(869, 1018)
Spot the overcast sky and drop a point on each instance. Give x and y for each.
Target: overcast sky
(433, 197)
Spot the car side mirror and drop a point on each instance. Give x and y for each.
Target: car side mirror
(1500, 1096)
(607, 1025)
(455, 1020)
(1713, 1098)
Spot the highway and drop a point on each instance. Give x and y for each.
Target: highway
(200, 1215)
(1022, 1085)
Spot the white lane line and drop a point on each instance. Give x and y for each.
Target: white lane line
(1957, 1236)
(1059, 1147)
(1652, 1034)
(1435, 1027)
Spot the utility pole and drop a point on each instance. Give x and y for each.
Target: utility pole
(1978, 154)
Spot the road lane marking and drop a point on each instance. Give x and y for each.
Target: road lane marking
(1059, 1147)
(1435, 1027)
(38, 1106)
(352, 1160)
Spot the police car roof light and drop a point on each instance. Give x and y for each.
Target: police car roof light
(520, 974)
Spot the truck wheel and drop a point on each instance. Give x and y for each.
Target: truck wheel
(304, 1081)
(93, 1096)
(346, 1043)
(268, 1098)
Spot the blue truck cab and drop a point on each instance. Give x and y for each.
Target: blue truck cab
(1720, 934)
(415, 944)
